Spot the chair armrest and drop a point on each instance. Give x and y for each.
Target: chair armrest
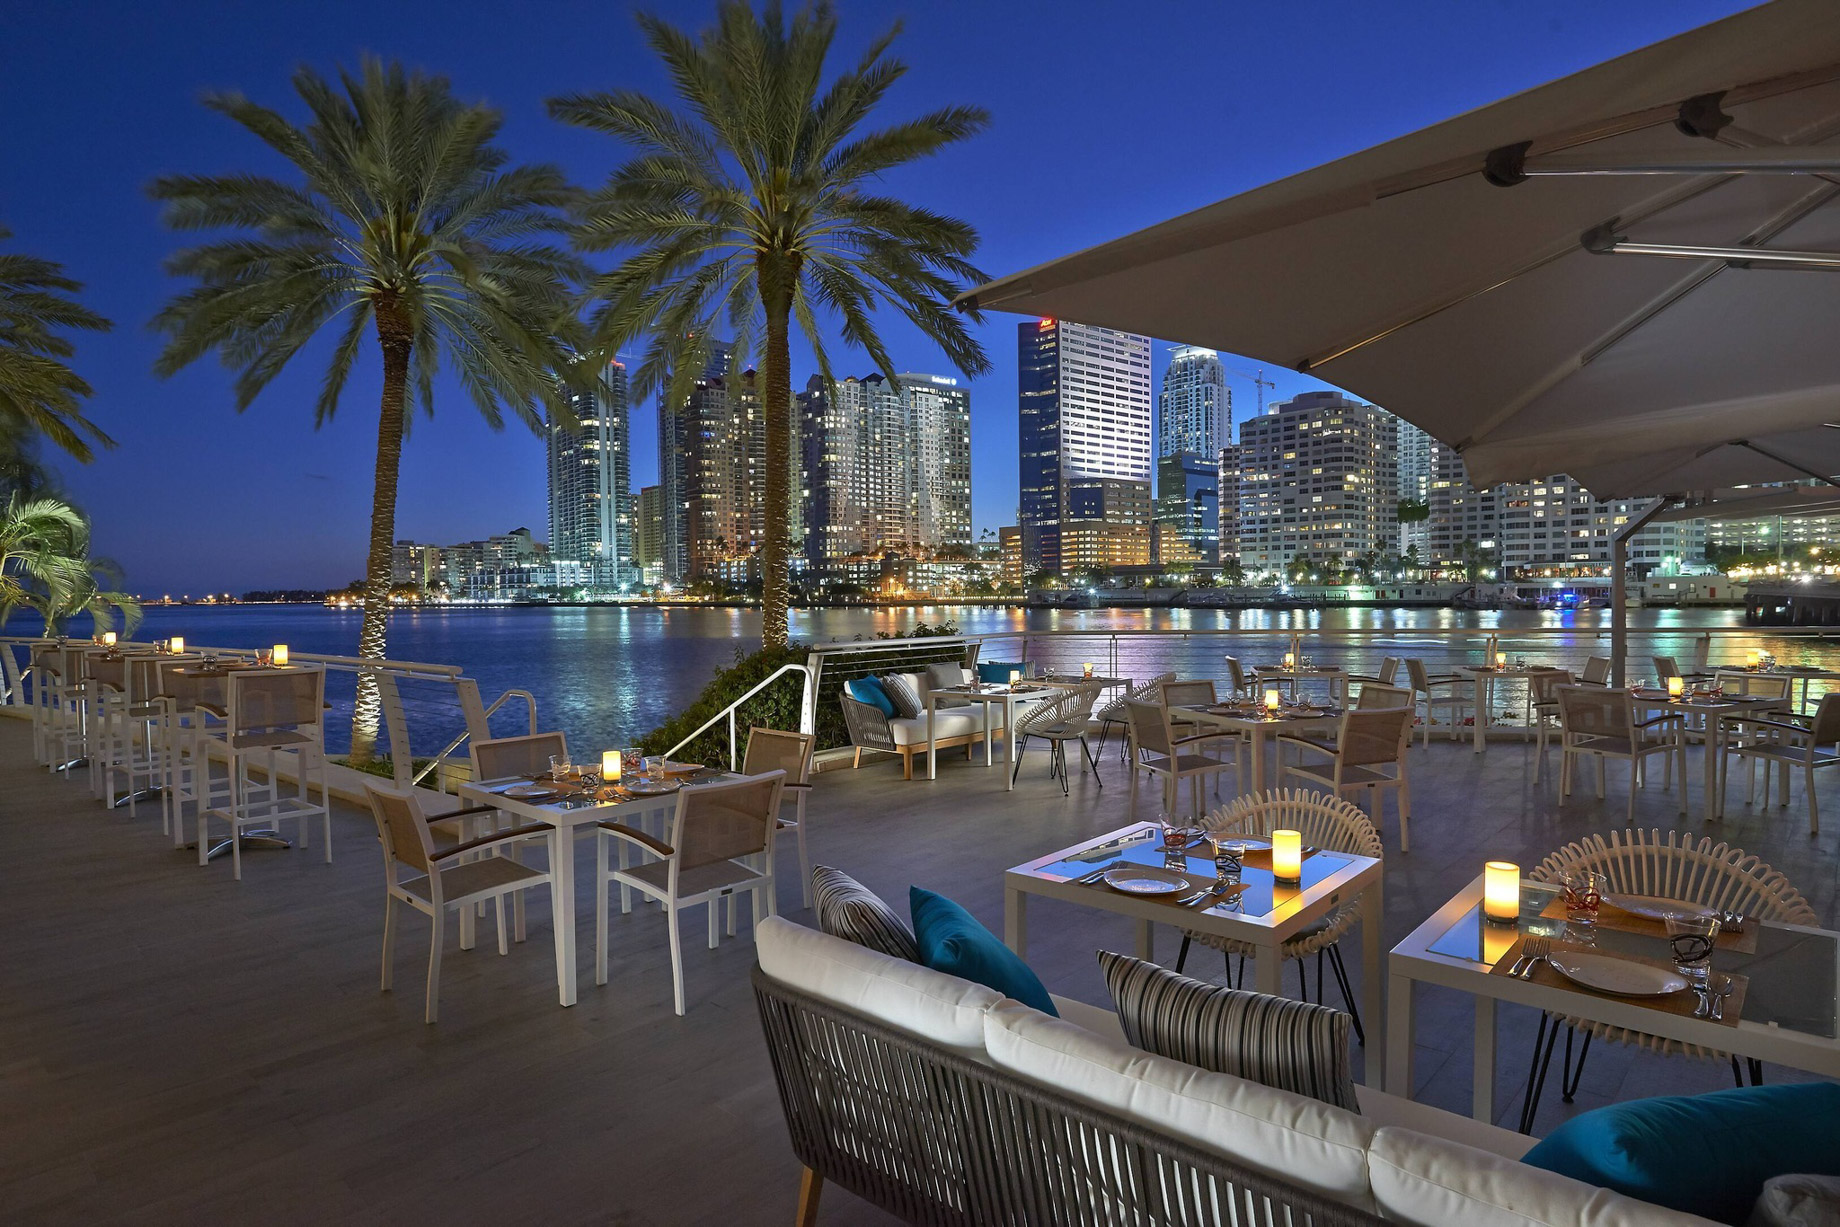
(211, 709)
(1327, 750)
(1664, 718)
(632, 836)
(1767, 724)
(1216, 735)
(467, 812)
(486, 841)
(806, 787)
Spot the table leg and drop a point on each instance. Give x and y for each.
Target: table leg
(1268, 974)
(1710, 776)
(1482, 707)
(1009, 743)
(1016, 921)
(932, 741)
(1482, 1094)
(1373, 971)
(990, 735)
(1398, 1038)
(562, 898)
(1146, 941)
(1258, 759)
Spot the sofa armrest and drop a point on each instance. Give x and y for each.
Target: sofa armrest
(868, 726)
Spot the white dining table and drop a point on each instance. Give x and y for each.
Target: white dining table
(1260, 731)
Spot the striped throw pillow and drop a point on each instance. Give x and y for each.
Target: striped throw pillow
(1295, 1046)
(850, 910)
(900, 689)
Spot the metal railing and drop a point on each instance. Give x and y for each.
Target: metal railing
(729, 713)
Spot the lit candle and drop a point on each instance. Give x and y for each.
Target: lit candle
(1087, 668)
(1273, 699)
(108, 639)
(176, 645)
(1290, 660)
(1753, 658)
(1677, 686)
(1501, 660)
(281, 656)
(1501, 892)
(1287, 855)
(1015, 675)
(610, 766)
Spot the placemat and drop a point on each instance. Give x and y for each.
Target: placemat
(1609, 916)
(1681, 1004)
(1196, 881)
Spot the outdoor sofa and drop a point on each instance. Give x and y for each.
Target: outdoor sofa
(954, 726)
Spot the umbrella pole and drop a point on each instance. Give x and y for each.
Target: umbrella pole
(1619, 567)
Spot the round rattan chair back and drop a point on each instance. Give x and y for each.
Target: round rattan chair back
(1672, 866)
(1324, 821)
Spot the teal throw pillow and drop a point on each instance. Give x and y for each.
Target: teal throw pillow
(951, 940)
(997, 671)
(868, 690)
(1700, 1154)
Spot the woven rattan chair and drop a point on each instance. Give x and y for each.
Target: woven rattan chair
(1365, 745)
(1324, 822)
(443, 879)
(776, 750)
(1111, 715)
(1426, 686)
(1787, 740)
(1059, 721)
(1668, 866)
(1156, 747)
(266, 711)
(1601, 722)
(718, 829)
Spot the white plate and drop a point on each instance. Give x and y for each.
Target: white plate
(1618, 976)
(1145, 880)
(647, 788)
(530, 792)
(1654, 908)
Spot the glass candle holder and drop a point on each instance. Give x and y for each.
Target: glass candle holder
(1290, 660)
(175, 645)
(1501, 892)
(1087, 669)
(108, 639)
(1676, 686)
(1287, 855)
(281, 653)
(1274, 698)
(1015, 675)
(610, 766)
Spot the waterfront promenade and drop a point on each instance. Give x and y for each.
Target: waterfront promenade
(180, 1047)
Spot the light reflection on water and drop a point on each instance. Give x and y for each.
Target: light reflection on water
(605, 674)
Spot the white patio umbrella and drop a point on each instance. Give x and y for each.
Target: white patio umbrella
(1627, 275)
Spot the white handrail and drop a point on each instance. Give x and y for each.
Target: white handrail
(460, 738)
(729, 712)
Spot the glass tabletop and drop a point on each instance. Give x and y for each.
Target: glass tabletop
(1792, 974)
(1262, 894)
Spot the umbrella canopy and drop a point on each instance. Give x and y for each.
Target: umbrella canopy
(1629, 275)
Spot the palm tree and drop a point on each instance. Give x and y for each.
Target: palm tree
(756, 206)
(45, 565)
(405, 217)
(39, 393)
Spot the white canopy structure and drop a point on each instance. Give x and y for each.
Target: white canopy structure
(1630, 275)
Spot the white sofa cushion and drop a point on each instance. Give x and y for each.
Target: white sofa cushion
(1426, 1180)
(911, 998)
(1294, 1138)
(1382, 1109)
(947, 722)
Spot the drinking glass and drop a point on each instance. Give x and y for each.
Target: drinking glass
(630, 760)
(559, 767)
(652, 766)
(1584, 893)
(264, 657)
(1692, 939)
(1229, 858)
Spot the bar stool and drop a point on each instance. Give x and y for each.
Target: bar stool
(267, 711)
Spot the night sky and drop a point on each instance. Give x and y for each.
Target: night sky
(1106, 117)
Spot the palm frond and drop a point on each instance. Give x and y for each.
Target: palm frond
(40, 395)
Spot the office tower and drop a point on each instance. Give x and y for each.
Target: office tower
(831, 443)
(590, 491)
(648, 534)
(1187, 509)
(1317, 481)
(939, 474)
(679, 431)
(1416, 452)
(1009, 544)
(1084, 414)
(1106, 524)
(1194, 409)
(1227, 494)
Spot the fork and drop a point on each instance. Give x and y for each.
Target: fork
(1718, 996)
(1536, 950)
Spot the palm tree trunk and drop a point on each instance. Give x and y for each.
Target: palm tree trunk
(776, 403)
(394, 336)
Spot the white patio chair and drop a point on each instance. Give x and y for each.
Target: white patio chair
(1366, 743)
(1324, 822)
(1067, 718)
(442, 880)
(1156, 748)
(718, 829)
(778, 750)
(1377, 695)
(1425, 685)
(1543, 707)
(1667, 866)
(266, 711)
(1596, 672)
(1243, 685)
(1601, 722)
(1788, 740)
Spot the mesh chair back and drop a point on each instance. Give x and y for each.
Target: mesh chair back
(1187, 693)
(1389, 670)
(184, 693)
(1377, 735)
(719, 822)
(1673, 866)
(47, 659)
(1545, 686)
(144, 678)
(501, 758)
(1236, 675)
(1595, 711)
(1769, 685)
(401, 828)
(1377, 694)
(1149, 725)
(775, 750)
(1324, 821)
(1415, 670)
(1666, 667)
(1825, 728)
(1596, 671)
(262, 699)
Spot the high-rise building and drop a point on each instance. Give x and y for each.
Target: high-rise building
(1107, 524)
(1317, 480)
(590, 486)
(1227, 494)
(1417, 451)
(648, 534)
(939, 475)
(1084, 414)
(1187, 509)
(681, 431)
(1194, 409)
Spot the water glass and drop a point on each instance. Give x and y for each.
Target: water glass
(1692, 939)
(1229, 859)
(1584, 894)
(264, 657)
(630, 759)
(652, 766)
(559, 767)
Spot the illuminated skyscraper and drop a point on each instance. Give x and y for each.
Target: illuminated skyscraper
(1194, 409)
(590, 491)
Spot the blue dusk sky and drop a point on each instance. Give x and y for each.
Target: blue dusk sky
(1106, 117)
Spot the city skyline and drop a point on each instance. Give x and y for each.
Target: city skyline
(1135, 149)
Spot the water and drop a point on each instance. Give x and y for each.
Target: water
(606, 674)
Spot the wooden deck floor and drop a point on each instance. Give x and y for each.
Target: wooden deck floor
(178, 1047)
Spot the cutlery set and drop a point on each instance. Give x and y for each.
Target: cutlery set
(1533, 953)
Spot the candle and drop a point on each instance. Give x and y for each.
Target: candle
(1273, 699)
(1015, 675)
(1287, 855)
(1677, 686)
(1087, 668)
(610, 766)
(108, 639)
(1753, 658)
(1501, 660)
(1501, 892)
(281, 657)
(176, 645)
(1290, 660)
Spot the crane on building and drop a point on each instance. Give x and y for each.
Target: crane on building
(1256, 379)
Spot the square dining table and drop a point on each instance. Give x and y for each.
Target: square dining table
(1265, 914)
(1713, 708)
(1005, 698)
(1260, 729)
(1788, 1013)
